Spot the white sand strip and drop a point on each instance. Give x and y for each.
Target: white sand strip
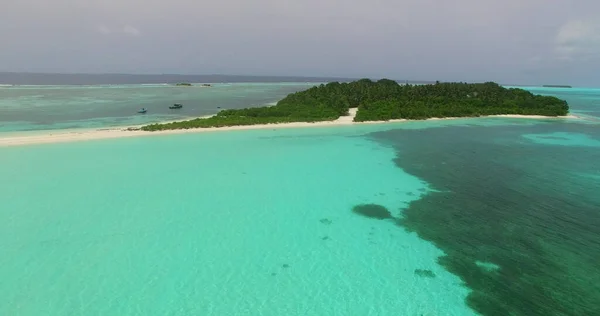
(108, 133)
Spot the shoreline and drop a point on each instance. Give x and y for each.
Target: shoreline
(61, 136)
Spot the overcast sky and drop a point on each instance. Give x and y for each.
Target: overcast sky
(510, 41)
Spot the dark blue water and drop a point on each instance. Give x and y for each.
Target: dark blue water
(517, 208)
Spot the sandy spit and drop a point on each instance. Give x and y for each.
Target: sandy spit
(108, 133)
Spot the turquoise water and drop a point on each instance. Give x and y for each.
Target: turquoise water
(31, 108)
(240, 223)
(487, 216)
(583, 102)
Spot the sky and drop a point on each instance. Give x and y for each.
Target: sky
(510, 41)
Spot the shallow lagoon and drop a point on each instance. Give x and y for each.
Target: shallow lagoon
(482, 212)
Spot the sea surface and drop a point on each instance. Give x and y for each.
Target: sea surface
(486, 216)
(48, 107)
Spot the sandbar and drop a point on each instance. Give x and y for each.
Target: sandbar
(121, 132)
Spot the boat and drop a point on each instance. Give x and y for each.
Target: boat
(143, 110)
(176, 106)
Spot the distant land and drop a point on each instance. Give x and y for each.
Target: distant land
(19, 78)
(556, 86)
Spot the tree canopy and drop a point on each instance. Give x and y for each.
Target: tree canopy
(455, 100)
(385, 100)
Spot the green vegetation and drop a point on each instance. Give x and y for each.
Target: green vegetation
(384, 100)
(556, 86)
(183, 84)
(453, 100)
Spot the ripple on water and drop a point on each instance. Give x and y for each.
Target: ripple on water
(174, 225)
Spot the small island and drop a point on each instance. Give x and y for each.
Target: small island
(556, 86)
(384, 100)
(183, 84)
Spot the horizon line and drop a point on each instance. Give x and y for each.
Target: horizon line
(345, 78)
(168, 74)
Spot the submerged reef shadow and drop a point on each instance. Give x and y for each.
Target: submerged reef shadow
(502, 213)
(425, 273)
(325, 221)
(372, 211)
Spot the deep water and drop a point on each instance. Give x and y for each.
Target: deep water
(516, 210)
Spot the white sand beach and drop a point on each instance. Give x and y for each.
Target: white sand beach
(107, 133)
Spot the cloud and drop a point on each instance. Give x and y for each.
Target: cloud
(130, 30)
(578, 39)
(102, 29)
(575, 42)
(415, 39)
(126, 30)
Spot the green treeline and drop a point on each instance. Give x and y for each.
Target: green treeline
(384, 100)
(312, 105)
(455, 100)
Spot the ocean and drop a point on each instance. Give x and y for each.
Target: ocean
(57, 107)
(485, 216)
